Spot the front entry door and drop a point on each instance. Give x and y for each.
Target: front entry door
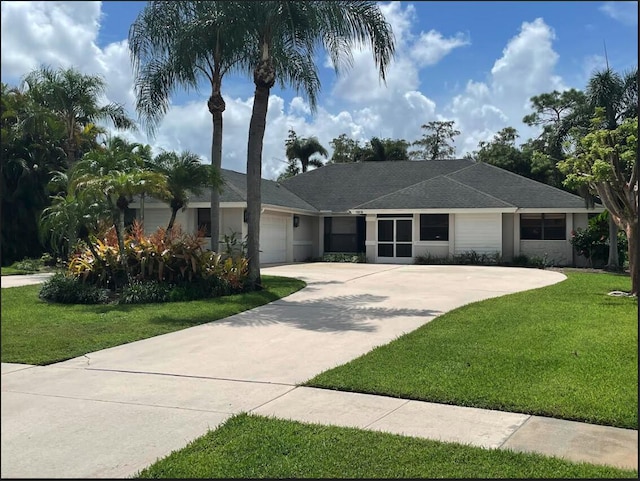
(395, 238)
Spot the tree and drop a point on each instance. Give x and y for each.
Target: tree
(114, 172)
(177, 44)
(618, 97)
(282, 38)
(74, 99)
(384, 150)
(345, 149)
(436, 146)
(32, 141)
(185, 175)
(607, 163)
(302, 150)
(502, 152)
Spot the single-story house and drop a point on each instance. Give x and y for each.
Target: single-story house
(395, 211)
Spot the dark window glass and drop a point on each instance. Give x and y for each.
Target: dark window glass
(385, 250)
(403, 250)
(543, 226)
(204, 221)
(531, 226)
(382, 216)
(554, 227)
(434, 227)
(403, 230)
(385, 231)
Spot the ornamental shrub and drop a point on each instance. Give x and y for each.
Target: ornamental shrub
(592, 243)
(67, 289)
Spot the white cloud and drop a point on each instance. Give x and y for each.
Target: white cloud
(624, 12)
(525, 69)
(65, 34)
(432, 47)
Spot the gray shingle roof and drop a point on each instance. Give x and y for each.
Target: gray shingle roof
(235, 190)
(340, 187)
(438, 193)
(515, 189)
(401, 185)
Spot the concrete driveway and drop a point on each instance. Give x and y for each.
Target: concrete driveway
(112, 412)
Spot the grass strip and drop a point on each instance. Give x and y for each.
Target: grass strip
(567, 351)
(249, 446)
(38, 332)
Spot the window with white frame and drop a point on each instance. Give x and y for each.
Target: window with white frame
(543, 226)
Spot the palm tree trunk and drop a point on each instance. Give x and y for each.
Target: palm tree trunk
(264, 78)
(613, 263)
(123, 257)
(216, 163)
(172, 220)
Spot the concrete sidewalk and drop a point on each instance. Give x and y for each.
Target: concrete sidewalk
(113, 412)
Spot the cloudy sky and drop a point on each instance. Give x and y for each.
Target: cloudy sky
(476, 63)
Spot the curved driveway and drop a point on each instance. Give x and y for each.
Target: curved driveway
(112, 412)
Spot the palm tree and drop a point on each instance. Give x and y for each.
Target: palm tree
(617, 95)
(282, 38)
(302, 149)
(178, 44)
(74, 98)
(115, 172)
(185, 175)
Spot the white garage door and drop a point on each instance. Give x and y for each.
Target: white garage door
(481, 233)
(273, 238)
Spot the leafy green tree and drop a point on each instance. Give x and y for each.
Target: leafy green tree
(178, 44)
(185, 175)
(607, 163)
(436, 143)
(73, 98)
(303, 150)
(617, 96)
(32, 141)
(345, 149)
(282, 39)
(384, 150)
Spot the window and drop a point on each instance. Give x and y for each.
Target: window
(543, 226)
(204, 221)
(434, 227)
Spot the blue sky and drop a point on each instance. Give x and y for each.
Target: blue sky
(476, 63)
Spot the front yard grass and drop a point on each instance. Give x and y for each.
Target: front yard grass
(249, 446)
(566, 351)
(38, 332)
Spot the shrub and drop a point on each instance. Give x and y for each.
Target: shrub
(359, 257)
(142, 292)
(67, 289)
(592, 243)
(28, 265)
(464, 258)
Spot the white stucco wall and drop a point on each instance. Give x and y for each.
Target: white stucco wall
(305, 239)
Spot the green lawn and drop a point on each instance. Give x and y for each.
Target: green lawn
(248, 446)
(37, 332)
(566, 351)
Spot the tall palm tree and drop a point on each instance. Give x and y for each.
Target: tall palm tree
(302, 149)
(185, 175)
(178, 44)
(617, 95)
(282, 39)
(74, 98)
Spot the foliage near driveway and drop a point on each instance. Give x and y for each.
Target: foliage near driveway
(37, 332)
(257, 447)
(566, 351)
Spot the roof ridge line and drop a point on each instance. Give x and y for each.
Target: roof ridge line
(477, 190)
(420, 182)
